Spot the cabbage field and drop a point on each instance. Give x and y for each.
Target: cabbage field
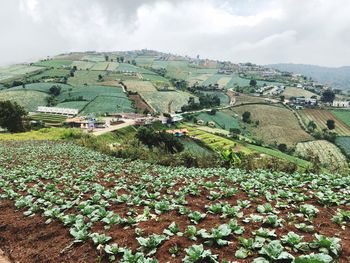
(63, 203)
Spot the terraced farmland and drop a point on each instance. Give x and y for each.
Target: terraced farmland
(78, 205)
(139, 86)
(160, 100)
(43, 87)
(16, 71)
(109, 104)
(320, 117)
(50, 74)
(221, 119)
(344, 144)
(329, 155)
(54, 63)
(32, 100)
(48, 118)
(342, 115)
(276, 124)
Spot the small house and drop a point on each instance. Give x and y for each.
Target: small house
(341, 104)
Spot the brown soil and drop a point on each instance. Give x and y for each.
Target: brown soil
(140, 104)
(29, 239)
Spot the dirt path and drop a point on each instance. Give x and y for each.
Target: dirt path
(3, 258)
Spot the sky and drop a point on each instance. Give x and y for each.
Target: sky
(259, 31)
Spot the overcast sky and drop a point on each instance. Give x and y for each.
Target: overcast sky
(259, 31)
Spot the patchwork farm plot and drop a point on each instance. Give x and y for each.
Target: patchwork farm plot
(16, 71)
(50, 74)
(32, 100)
(77, 205)
(320, 117)
(48, 118)
(108, 104)
(139, 86)
(90, 77)
(219, 143)
(276, 124)
(221, 119)
(342, 115)
(295, 92)
(54, 63)
(329, 155)
(160, 100)
(43, 87)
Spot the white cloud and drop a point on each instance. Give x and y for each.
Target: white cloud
(261, 31)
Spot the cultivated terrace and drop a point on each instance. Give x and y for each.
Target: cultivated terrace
(63, 203)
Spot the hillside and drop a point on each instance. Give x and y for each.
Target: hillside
(335, 77)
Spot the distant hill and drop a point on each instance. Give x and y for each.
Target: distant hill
(338, 78)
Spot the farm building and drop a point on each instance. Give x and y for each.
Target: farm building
(61, 111)
(84, 123)
(341, 104)
(305, 101)
(173, 119)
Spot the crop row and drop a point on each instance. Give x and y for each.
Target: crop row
(137, 212)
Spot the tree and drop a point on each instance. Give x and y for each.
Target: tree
(246, 116)
(11, 116)
(55, 90)
(253, 83)
(100, 77)
(311, 126)
(328, 96)
(106, 57)
(282, 147)
(282, 98)
(330, 124)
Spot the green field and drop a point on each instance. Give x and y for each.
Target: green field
(224, 99)
(82, 77)
(160, 100)
(344, 144)
(79, 105)
(343, 115)
(49, 118)
(32, 100)
(54, 63)
(91, 92)
(105, 66)
(145, 60)
(83, 65)
(194, 147)
(125, 67)
(222, 120)
(17, 71)
(300, 162)
(109, 104)
(65, 195)
(220, 143)
(212, 80)
(43, 87)
(50, 73)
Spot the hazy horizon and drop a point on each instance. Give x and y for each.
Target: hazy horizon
(259, 31)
